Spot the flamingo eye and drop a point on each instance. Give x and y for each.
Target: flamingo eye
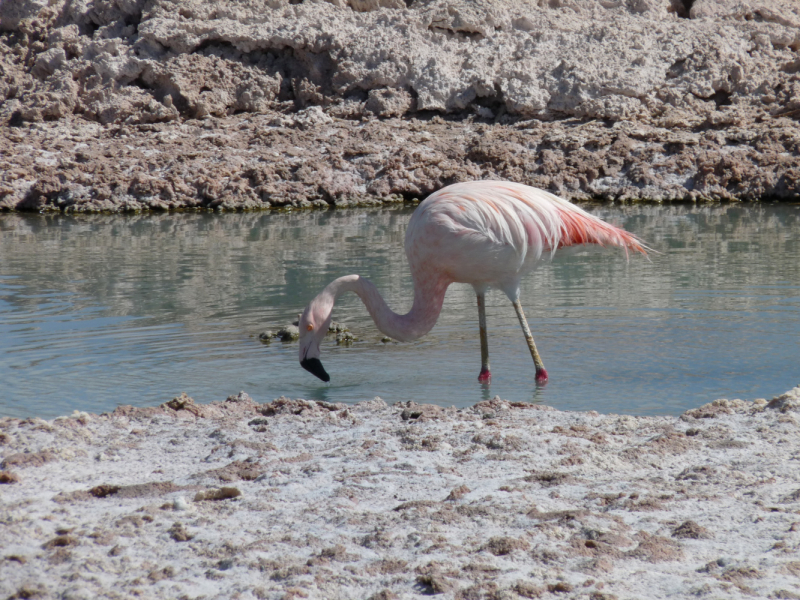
(310, 327)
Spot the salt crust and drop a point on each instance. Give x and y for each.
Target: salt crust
(300, 499)
(269, 103)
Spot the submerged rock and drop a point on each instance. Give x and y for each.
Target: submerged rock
(336, 327)
(289, 333)
(266, 336)
(345, 338)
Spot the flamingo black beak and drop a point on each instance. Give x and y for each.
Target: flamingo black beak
(314, 366)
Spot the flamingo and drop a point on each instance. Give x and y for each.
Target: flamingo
(488, 234)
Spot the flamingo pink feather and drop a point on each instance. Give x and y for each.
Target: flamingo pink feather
(484, 233)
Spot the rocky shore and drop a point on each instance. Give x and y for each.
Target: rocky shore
(112, 105)
(299, 499)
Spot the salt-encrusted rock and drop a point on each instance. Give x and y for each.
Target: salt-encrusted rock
(240, 397)
(183, 403)
(622, 99)
(336, 327)
(179, 533)
(345, 338)
(496, 500)
(223, 493)
(420, 412)
(12, 14)
(289, 333)
(27, 459)
(8, 477)
(790, 401)
(389, 102)
(691, 530)
(574, 58)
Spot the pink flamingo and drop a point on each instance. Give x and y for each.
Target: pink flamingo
(485, 233)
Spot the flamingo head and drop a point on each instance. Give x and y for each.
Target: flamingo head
(313, 326)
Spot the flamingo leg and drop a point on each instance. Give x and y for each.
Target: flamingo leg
(486, 375)
(541, 373)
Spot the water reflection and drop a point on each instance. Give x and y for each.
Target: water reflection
(98, 311)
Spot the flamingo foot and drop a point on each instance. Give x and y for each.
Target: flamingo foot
(541, 376)
(485, 376)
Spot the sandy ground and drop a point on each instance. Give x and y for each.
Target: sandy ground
(297, 499)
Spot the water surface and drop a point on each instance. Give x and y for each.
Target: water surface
(97, 311)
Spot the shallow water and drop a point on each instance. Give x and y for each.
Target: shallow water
(98, 311)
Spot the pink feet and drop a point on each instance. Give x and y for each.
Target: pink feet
(541, 376)
(485, 376)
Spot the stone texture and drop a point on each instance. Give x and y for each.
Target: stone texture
(318, 512)
(373, 100)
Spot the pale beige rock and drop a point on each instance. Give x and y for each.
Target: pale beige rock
(782, 12)
(389, 102)
(514, 79)
(16, 11)
(582, 58)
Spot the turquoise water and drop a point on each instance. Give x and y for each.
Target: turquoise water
(98, 311)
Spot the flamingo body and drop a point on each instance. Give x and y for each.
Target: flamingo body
(493, 233)
(483, 233)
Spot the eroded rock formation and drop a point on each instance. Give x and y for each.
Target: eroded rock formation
(129, 104)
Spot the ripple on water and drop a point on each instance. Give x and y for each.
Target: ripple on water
(98, 311)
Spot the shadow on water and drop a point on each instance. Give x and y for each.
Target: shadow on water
(97, 311)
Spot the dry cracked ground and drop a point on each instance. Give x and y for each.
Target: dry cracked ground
(299, 499)
(127, 105)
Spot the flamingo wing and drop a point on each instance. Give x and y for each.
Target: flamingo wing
(493, 232)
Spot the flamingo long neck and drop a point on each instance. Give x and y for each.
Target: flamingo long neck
(428, 299)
